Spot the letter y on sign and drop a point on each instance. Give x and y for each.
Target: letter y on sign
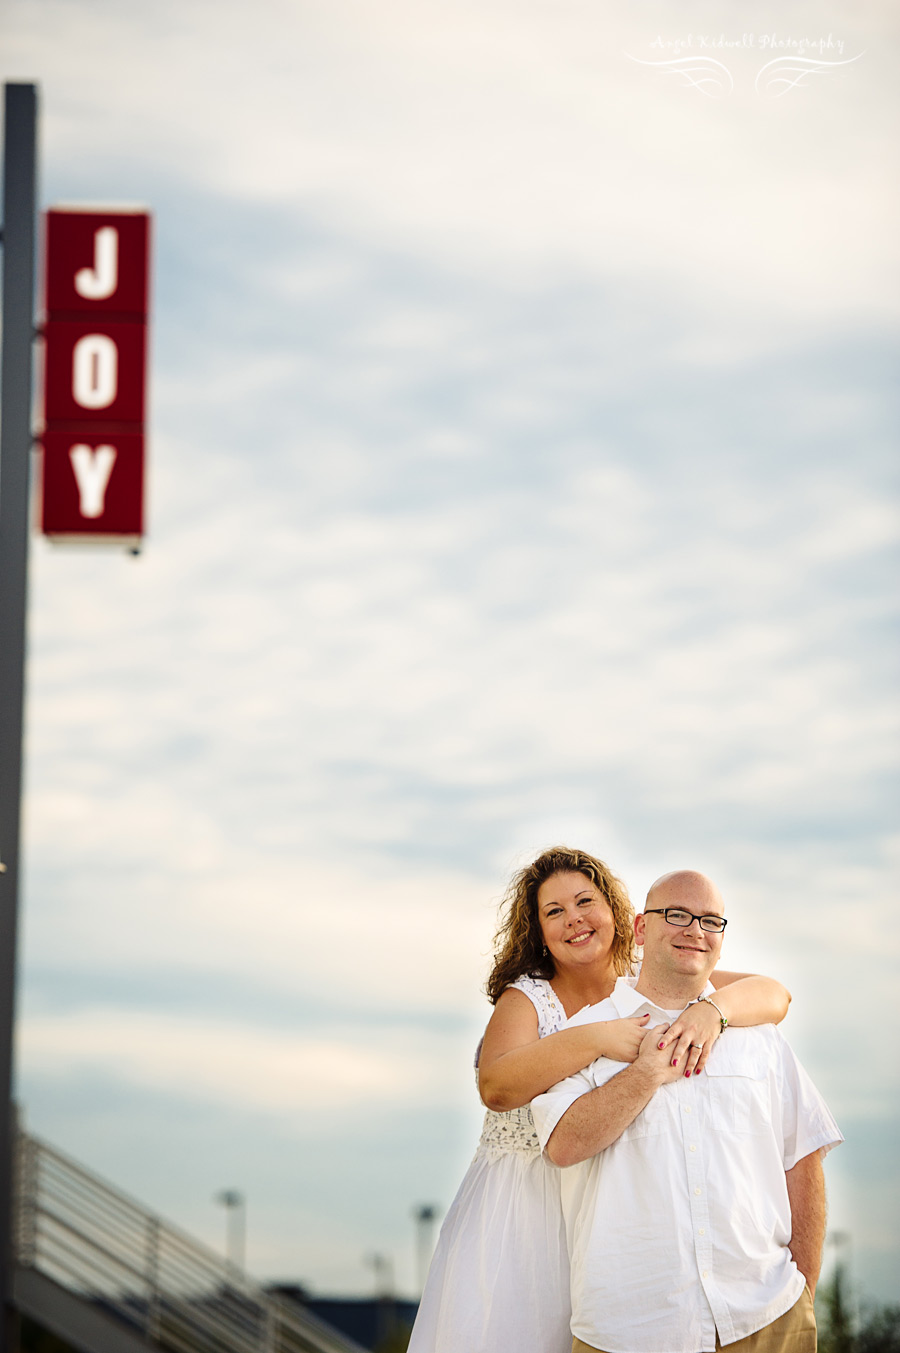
(92, 471)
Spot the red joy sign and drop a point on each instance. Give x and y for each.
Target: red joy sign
(95, 373)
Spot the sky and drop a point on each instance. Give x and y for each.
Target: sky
(520, 471)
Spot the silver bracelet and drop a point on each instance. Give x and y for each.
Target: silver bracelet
(723, 1019)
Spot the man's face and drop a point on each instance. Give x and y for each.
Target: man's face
(682, 950)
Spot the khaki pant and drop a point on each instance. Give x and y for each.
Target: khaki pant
(793, 1332)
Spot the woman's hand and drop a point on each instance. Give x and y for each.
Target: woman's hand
(620, 1039)
(691, 1036)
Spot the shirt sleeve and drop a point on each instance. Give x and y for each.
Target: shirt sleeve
(807, 1123)
(547, 1109)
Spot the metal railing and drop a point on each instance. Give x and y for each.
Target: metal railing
(107, 1249)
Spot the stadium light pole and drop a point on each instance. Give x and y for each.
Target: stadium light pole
(19, 214)
(235, 1205)
(425, 1216)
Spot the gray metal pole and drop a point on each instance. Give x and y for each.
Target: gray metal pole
(19, 191)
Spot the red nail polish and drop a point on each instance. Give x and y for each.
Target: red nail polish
(660, 1046)
(697, 1071)
(687, 1073)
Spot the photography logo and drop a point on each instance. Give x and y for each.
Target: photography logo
(697, 61)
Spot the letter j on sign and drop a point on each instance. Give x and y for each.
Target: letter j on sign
(95, 374)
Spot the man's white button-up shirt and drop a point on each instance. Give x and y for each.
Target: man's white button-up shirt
(681, 1227)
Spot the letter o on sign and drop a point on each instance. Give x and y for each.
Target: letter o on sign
(95, 369)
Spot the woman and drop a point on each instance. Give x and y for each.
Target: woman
(499, 1279)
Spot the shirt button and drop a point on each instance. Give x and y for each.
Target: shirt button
(698, 1192)
(702, 1231)
(705, 1273)
(693, 1148)
(687, 1108)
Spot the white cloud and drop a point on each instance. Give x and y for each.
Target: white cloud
(251, 1070)
(535, 142)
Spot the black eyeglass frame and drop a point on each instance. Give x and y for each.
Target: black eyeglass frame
(716, 929)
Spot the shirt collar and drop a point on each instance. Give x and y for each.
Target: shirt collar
(630, 1002)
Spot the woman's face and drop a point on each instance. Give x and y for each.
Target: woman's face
(575, 919)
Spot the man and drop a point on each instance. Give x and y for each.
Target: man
(695, 1206)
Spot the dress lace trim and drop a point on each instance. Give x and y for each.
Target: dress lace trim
(513, 1131)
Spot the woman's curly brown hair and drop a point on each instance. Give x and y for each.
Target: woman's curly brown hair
(519, 942)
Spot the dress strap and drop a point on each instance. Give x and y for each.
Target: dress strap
(550, 1013)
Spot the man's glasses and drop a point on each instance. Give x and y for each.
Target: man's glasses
(684, 918)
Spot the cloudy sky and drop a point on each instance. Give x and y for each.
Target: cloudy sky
(520, 472)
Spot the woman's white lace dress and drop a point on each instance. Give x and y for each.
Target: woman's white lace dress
(499, 1279)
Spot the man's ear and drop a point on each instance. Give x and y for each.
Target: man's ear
(640, 924)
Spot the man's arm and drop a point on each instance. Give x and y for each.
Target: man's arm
(806, 1192)
(598, 1118)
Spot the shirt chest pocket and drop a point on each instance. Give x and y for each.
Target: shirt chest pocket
(739, 1101)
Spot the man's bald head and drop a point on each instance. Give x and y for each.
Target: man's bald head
(684, 886)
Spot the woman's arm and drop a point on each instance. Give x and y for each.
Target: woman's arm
(516, 1064)
(746, 999)
(743, 998)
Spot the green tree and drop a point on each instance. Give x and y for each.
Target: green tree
(876, 1331)
(836, 1328)
(397, 1341)
(879, 1330)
